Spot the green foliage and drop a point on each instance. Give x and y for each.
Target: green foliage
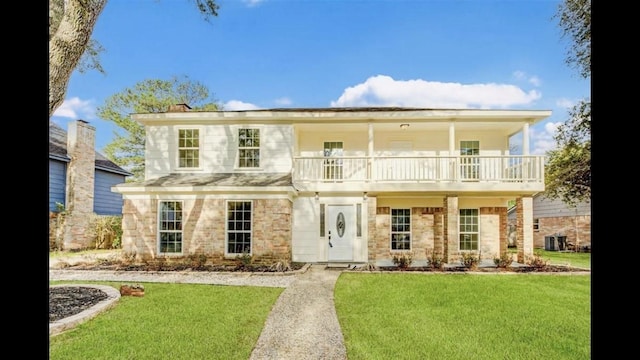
(106, 231)
(434, 261)
(469, 260)
(403, 259)
(574, 18)
(147, 96)
(568, 168)
(536, 261)
(503, 261)
(197, 261)
(244, 261)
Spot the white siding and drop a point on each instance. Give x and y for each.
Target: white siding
(306, 234)
(218, 149)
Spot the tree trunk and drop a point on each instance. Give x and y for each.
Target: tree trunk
(69, 35)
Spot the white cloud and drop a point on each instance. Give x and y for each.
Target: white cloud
(382, 90)
(284, 101)
(252, 3)
(238, 105)
(75, 108)
(535, 81)
(523, 76)
(565, 103)
(542, 138)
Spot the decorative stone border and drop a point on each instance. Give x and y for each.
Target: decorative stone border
(113, 295)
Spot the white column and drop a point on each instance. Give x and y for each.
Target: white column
(452, 138)
(525, 139)
(370, 152)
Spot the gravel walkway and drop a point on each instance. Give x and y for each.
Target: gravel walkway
(303, 323)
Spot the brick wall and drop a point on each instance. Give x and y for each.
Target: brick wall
(80, 184)
(577, 229)
(204, 224)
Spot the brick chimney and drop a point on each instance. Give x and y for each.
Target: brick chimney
(179, 108)
(80, 184)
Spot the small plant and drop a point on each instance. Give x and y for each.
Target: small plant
(244, 261)
(503, 261)
(536, 261)
(281, 266)
(403, 259)
(434, 261)
(470, 260)
(197, 261)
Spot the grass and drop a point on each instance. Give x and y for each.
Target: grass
(387, 315)
(577, 259)
(464, 316)
(172, 321)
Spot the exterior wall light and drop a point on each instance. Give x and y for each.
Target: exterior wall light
(317, 196)
(404, 126)
(364, 196)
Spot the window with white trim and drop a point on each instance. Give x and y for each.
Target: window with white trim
(400, 229)
(239, 217)
(248, 148)
(536, 224)
(469, 160)
(469, 230)
(170, 227)
(188, 148)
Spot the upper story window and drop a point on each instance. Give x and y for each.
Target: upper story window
(469, 161)
(249, 148)
(188, 148)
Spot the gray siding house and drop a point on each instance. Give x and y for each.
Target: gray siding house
(105, 173)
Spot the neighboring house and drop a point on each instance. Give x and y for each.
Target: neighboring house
(336, 185)
(80, 178)
(553, 218)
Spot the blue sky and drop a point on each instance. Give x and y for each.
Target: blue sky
(492, 54)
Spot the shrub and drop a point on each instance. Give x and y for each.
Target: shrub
(403, 259)
(536, 261)
(106, 231)
(503, 261)
(470, 260)
(244, 261)
(434, 261)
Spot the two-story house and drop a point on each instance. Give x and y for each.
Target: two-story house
(350, 185)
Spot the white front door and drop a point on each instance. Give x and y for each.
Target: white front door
(341, 232)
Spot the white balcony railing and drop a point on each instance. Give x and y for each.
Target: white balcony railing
(388, 169)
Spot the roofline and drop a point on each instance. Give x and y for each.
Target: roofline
(59, 157)
(112, 170)
(326, 115)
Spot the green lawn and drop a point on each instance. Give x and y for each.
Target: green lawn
(172, 321)
(464, 316)
(578, 259)
(388, 315)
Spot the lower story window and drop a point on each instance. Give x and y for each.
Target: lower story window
(469, 229)
(170, 227)
(239, 227)
(400, 229)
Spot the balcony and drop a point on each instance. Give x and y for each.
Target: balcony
(420, 173)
